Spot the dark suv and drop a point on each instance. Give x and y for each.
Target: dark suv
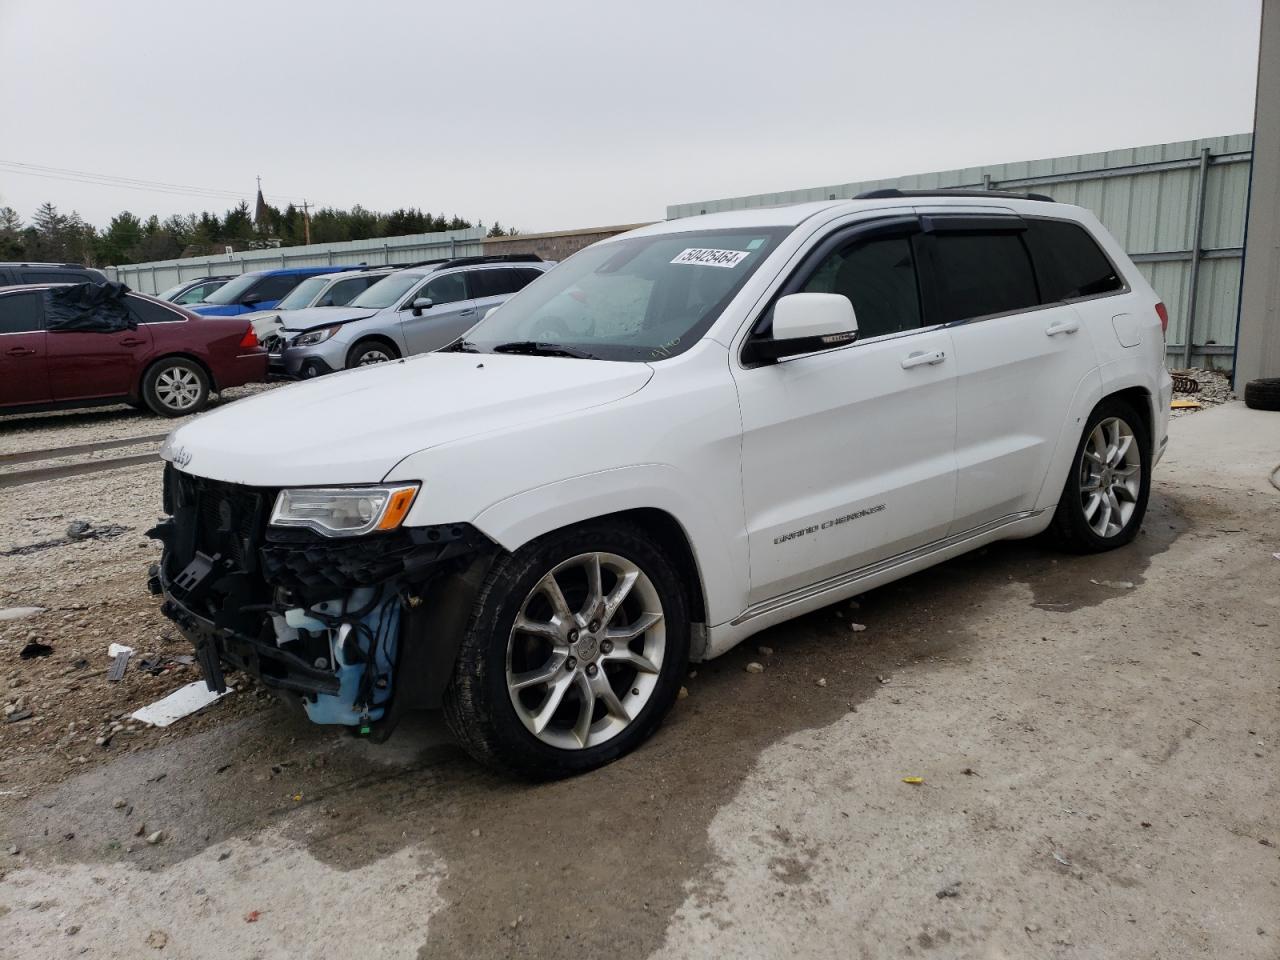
(12, 274)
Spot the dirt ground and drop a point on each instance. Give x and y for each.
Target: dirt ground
(1096, 738)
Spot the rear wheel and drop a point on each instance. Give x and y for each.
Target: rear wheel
(176, 387)
(1105, 496)
(574, 653)
(365, 353)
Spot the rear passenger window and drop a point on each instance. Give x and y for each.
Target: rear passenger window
(144, 311)
(494, 283)
(20, 313)
(982, 274)
(879, 278)
(527, 276)
(1069, 263)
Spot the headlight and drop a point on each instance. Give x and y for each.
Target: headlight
(312, 337)
(344, 511)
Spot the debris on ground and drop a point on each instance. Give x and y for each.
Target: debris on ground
(16, 715)
(118, 666)
(684, 692)
(84, 530)
(754, 667)
(35, 649)
(154, 838)
(822, 681)
(18, 613)
(950, 890)
(253, 916)
(181, 703)
(857, 627)
(157, 939)
(1114, 584)
(969, 772)
(1198, 388)
(1061, 858)
(914, 781)
(765, 651)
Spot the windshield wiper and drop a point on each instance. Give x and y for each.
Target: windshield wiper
(540, 348)
(461, 346)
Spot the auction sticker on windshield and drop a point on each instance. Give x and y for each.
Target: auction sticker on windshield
(706, 257)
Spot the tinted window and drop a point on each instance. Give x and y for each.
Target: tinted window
(446, 289)
(983, 273)
(59, 276)
(275, 287)
(1068, 261)
(144, 311)
(527, 275)
(494, 283)
(19, 313)
(879, 279)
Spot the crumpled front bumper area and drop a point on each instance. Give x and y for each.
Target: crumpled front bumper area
(332, 621)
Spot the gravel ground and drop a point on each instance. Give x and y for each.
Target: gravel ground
(1095, 738)
(20, 433)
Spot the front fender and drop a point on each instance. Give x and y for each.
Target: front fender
(720, 557)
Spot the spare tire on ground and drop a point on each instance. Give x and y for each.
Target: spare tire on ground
(1263, 394)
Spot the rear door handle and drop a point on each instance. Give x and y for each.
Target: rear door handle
(19, 352)
(921, 358)
(131, 342)
(1062, 326)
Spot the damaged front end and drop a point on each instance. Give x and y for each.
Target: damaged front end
(359, 629)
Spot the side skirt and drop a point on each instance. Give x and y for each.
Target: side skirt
(767, 613)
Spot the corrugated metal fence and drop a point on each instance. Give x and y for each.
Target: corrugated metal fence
(1178, 208)
(154, 277)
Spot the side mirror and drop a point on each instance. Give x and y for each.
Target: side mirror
(805, 323)
(420, 304)
(250, 299)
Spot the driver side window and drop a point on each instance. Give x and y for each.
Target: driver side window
(878, 276)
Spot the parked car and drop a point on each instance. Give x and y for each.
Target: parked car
(190, 292)
(260, 290)
(326, 290)
(754, 415)
(12, 274)
(170, 363)
(411, 311)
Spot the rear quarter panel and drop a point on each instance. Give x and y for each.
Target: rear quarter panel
(215, 342)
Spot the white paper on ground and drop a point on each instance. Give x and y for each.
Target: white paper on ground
(115, 649)
(181, 703)
(17, 613)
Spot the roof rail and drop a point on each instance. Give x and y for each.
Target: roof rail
(416, 263)
(892, 192)
(494, 258)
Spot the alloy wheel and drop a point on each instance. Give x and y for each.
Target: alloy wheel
(373, 355)
(178, 388)
(1110, 477)
(585, 651)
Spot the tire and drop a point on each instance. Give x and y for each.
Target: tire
(1262, 394)
(495, 723)
(1079, 524)
(366, 353)
(175, 387)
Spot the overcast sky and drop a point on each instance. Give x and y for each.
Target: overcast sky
(554, 114)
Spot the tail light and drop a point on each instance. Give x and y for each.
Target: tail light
(1163, 313)
(250, 339)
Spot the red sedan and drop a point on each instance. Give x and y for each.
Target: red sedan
(170, 361)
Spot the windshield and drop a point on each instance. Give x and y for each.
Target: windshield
(303, 293)
(641, 299)
(172, 292)
(387, 291)
(230, 291)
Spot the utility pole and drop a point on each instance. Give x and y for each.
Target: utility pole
(306, 222)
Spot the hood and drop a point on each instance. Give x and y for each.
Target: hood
(356, 425)
(309, 317)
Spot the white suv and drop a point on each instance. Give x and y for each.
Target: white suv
(679, 437)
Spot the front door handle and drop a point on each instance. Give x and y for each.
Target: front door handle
(921, 358)
(468, 313)
(1062, 326)
(19, 352)
(131, 342)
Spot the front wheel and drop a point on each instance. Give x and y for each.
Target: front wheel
(1105, 496)
(574, 653)
(368, 352)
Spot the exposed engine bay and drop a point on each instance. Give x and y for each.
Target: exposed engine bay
(358, 630)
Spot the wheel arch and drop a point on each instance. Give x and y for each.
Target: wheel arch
(373, 338)
(177, 355)
(713, 564)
